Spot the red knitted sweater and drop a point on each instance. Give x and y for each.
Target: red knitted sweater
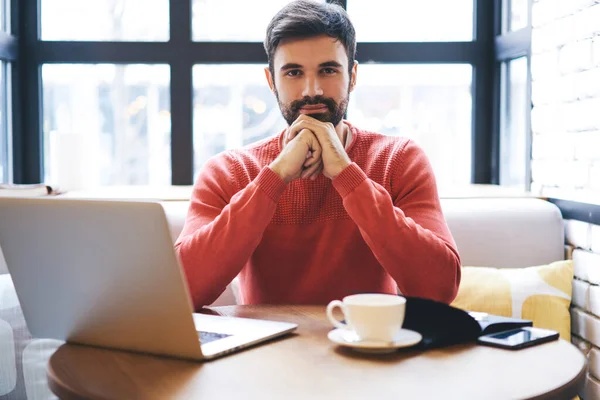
(377, 226)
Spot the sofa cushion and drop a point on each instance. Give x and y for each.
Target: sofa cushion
(505, 232)
(541, 294)
(176, 212)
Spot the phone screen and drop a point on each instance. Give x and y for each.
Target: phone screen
(517, 338)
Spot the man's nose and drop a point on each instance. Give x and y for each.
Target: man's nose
(312, 87)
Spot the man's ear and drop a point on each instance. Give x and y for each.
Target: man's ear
(270, 79)
(353, 75)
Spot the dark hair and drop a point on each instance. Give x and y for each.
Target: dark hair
(305, 19)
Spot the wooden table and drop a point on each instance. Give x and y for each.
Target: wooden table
(306, 365)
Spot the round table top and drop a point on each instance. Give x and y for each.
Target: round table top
(306, 365)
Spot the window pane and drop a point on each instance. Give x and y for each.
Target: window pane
(116, 20)
(3, 15)
(428, 103)
(107, 124)
(513, 123)
(519, 13)
(233, 106)
(4, 160)
(233, 20)
(412, 21)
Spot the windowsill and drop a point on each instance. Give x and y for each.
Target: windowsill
(161, 193)
(183, 193)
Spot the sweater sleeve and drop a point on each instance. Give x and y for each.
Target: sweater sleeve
(224, 226)
(406, 231)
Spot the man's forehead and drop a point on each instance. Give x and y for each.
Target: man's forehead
(314, 50)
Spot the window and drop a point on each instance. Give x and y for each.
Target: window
(514, 130)
(117, 20)
(513, 122)
(218, 20)
(412, 21)
(5, 137)
(233, 106)
(516, 14)
(148, 90)
(4, 145)
(430, 104)
(106, 124)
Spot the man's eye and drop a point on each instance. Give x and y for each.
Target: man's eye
(293, 72)
(329, 71)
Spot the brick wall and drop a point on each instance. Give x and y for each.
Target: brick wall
(565, 119)
(584, 247)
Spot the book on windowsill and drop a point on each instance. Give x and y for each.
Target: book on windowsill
(442, 325)
(30, 190)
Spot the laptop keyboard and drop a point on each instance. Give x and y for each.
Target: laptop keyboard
(207, 337)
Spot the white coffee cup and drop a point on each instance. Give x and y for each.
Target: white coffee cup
(372, 316)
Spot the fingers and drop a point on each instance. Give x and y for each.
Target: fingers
(313, 164)
(308, 137)
(289, 136)
(317, 127)
(301, 123)
(294, 129)
(297, 127)
(318, 172)
(312, 171)
(316, 152)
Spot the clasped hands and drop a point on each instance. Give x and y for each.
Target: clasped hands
(310, 147)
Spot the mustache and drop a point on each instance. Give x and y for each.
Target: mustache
(311, 101)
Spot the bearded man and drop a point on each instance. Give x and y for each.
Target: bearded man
(322, 209)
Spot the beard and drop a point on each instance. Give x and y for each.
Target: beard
(335, 112)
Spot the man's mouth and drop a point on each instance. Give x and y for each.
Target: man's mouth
(314, 109)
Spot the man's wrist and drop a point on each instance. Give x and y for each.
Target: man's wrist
(275, 168)
(342, 166)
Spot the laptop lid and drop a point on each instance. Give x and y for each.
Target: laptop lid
(99, 273)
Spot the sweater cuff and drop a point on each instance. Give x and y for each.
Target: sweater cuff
(349, 179)
(270, 183)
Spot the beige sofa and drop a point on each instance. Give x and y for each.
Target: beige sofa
(492, 232)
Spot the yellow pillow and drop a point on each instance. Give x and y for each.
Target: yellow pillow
(541, 294)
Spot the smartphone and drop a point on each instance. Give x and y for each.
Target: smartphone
(519, 338)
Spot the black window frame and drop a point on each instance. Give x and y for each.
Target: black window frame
(9, 52)
(509, 46)
(181, 53)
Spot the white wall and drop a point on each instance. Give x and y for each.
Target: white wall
(565, 118)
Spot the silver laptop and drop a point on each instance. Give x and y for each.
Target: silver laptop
(105, 273)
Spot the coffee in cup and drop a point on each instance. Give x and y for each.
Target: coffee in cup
(372, 316)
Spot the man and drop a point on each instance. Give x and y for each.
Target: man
(324, 209)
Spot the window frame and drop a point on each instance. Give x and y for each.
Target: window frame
(9, 50)
(508, 46)
(181, 53)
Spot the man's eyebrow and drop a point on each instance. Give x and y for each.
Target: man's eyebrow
(290, 66)
(330, 64)
(325, 64)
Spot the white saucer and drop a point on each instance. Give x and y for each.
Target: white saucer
(348, 338)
